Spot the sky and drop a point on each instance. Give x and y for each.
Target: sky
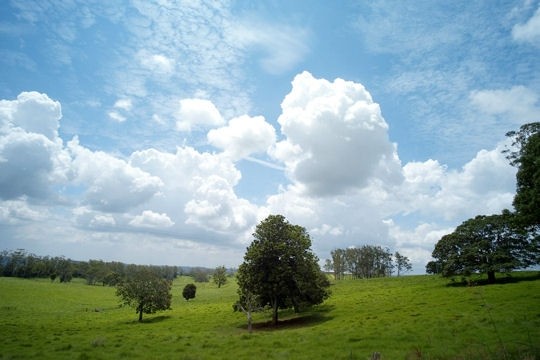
(162, 132)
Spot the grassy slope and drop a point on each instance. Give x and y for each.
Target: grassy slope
(410, 317)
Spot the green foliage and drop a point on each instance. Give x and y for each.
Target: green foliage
(189, 291)
(403, 264)
(200, 275)
(220, 276)
(145, 291)
(280, 269)
(485, 244)
(365, 261)
(526, 156)
(409, 317)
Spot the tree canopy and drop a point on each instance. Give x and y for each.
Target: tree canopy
(526, 157)
(220, 276)
(145, 291)
(485, 244)
(279, 268)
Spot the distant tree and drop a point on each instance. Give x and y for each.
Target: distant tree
(220, 276)
(526, 157)
(402, 263)
(189, 291)
(486, 244)
(339, 263)
(145, 291)
(279, 268)
(200, 274)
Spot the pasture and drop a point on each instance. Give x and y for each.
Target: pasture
(412, 317)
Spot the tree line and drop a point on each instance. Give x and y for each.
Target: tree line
(488, 244)
(20, 263)
(366, 261)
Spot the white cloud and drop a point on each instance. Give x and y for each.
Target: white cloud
(117, 116)
(529, 31)
(485, 185)
(32, 158)
(112, 185)
(157, 63)
(243, 136)
(103, 220)
(33, 112)
(336, 138)
(284, 46)
(150, 219)
(195, 113)
(519, 103)
(124, 104)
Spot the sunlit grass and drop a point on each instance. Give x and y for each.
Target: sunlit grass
(414, 317)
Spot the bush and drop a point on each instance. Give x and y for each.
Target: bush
(189, 291)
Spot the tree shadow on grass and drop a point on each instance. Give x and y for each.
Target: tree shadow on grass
(512, 278)
(308, 318)
(150, 320)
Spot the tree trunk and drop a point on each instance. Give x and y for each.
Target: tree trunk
(140, 314)
(275, 312)
(491, 277)
(249, 321)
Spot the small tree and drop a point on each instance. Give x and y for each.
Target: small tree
(220, 276)
(402, 263)
(145, 291)
(248, 304)
(189, 291)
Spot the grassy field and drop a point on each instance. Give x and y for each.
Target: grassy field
(413, 317)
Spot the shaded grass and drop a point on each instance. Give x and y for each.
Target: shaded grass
(413, 317)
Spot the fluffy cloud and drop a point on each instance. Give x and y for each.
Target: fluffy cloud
(336, 138)
(529, 31)
(33, 112)
(150, 219)
(111, 184)
(198, 189)
(195, 113)
(32, 157)
(485, 185)
(243, 136)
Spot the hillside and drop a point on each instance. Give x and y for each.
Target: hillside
(413, 317)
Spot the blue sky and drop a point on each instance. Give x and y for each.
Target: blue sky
(162, 132)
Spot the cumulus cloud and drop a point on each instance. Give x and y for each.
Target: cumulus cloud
(336, 138)
(33, 112)
(112, 184)
(485, 185)
(150, 219)
(195, 113)
(529, 31)
(243, 136)
(201, 185)
(32, 157)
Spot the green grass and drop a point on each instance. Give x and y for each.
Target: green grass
(413, 317)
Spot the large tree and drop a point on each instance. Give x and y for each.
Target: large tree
(279, 268)
(145, 291)
(525, 155)
(485, 244)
